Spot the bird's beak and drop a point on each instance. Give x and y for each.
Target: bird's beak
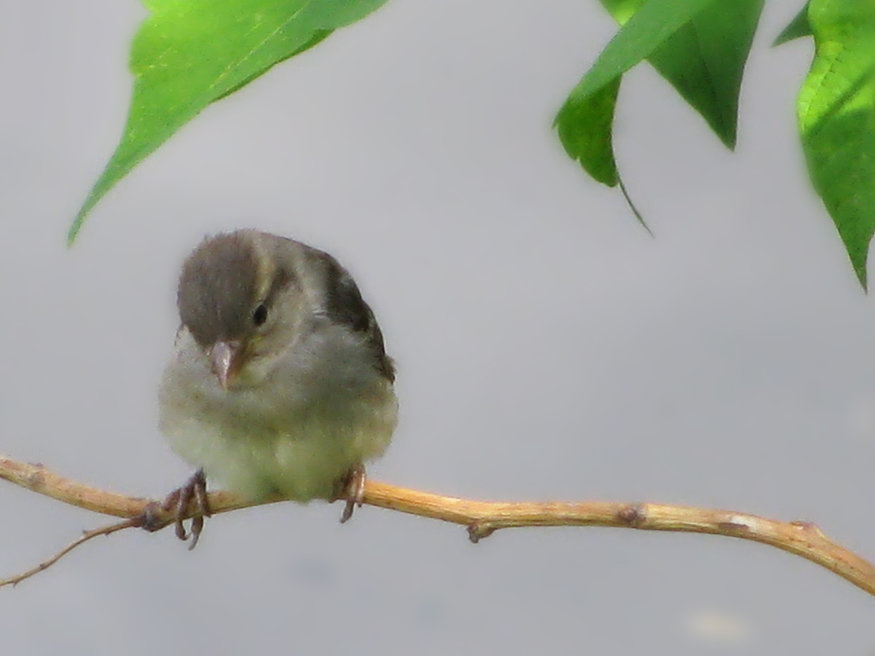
(226, 359)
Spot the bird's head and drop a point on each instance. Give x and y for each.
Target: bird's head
(228, 299)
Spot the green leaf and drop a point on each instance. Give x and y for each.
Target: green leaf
(318, 37)
(836, 110)
(699, 46)
(189, 53)
(704, 60)
(798, 27)
(585, 130)
(585, 119)
(646, 30)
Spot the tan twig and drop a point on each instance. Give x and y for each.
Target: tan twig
(82, 539)
(481, 517)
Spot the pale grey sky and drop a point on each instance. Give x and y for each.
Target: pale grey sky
(547, 347)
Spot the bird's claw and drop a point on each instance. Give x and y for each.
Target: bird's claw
(179, 500)
(353, 490)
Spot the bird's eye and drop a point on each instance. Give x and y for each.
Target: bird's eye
(259, 315)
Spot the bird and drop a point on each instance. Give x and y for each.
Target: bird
(279, 382)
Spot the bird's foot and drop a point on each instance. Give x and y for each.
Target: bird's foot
(178, 502)
(352, 488)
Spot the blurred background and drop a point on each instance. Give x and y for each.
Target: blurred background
(547, 347)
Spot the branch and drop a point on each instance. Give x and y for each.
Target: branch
(481, 517)
(86, 535)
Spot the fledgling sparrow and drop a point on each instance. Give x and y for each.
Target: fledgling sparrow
(279, 381)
